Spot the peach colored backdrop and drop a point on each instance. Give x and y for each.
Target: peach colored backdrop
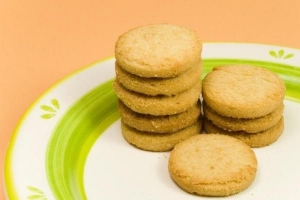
(43, 41)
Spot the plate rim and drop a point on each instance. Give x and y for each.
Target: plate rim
(10, 189)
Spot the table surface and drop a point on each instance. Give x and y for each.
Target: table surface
(43, 41)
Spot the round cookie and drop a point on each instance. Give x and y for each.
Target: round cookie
(243, 91)
(159, 124)
(158, 50)
(249, 125)
(212, 165)
(254, 140)
(158, 105)
(158, 142)
(160, 86)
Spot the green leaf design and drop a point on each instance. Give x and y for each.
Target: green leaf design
(47, 116)
(288, 56)
(280, 53)
(52, 109)
(35, 194)
(34, 190)
(273, 53)
(55, 103)
(47, 108)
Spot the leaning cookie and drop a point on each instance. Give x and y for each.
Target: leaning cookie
(160, 86)
(159, 124)
(243, 91)
(158, 50)
(158, 105)
(158, 142)
(254, 140)
(249, 125)
(212, 165)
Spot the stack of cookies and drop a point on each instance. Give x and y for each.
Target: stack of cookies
(158, 69)
(245, 102)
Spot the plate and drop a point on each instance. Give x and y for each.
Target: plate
(68, 145)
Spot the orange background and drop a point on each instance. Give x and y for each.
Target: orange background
(43, 41)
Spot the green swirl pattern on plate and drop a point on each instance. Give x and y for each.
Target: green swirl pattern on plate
(73, 137)
(90, 116)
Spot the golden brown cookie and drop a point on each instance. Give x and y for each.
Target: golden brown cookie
(243, 91)
(158, 105)
(158, 142)
(212, 165)
(159, 124)
(158, 50)
(254, 140)
(160, 86)
(249, 125)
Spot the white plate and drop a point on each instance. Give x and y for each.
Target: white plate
(68, 145)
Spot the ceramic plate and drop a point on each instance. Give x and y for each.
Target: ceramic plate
(69, 146)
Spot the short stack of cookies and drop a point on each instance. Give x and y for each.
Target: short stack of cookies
(245, 102)
(158, 70)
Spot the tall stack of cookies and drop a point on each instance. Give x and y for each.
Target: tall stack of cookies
(158, 70)
(245, 102)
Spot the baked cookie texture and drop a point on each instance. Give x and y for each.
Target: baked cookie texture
(158, 142)
(212, 165)
(245, 102)
(158, 70)
(254, 140)
(160, 86)
(158, 105)
(160, 124)
(243, 91)
(249, 125)
(158, 50)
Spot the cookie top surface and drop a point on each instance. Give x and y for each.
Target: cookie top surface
(213, 165)
(158, 50)
(213, 158)
(243, 91)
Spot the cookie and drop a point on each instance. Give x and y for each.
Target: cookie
(243, 91)
(254, 140)
(212, 165)
(158, 142)
(160, 86)
(249, 125)
(158, 105)
(159, 124)
(158, 50)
